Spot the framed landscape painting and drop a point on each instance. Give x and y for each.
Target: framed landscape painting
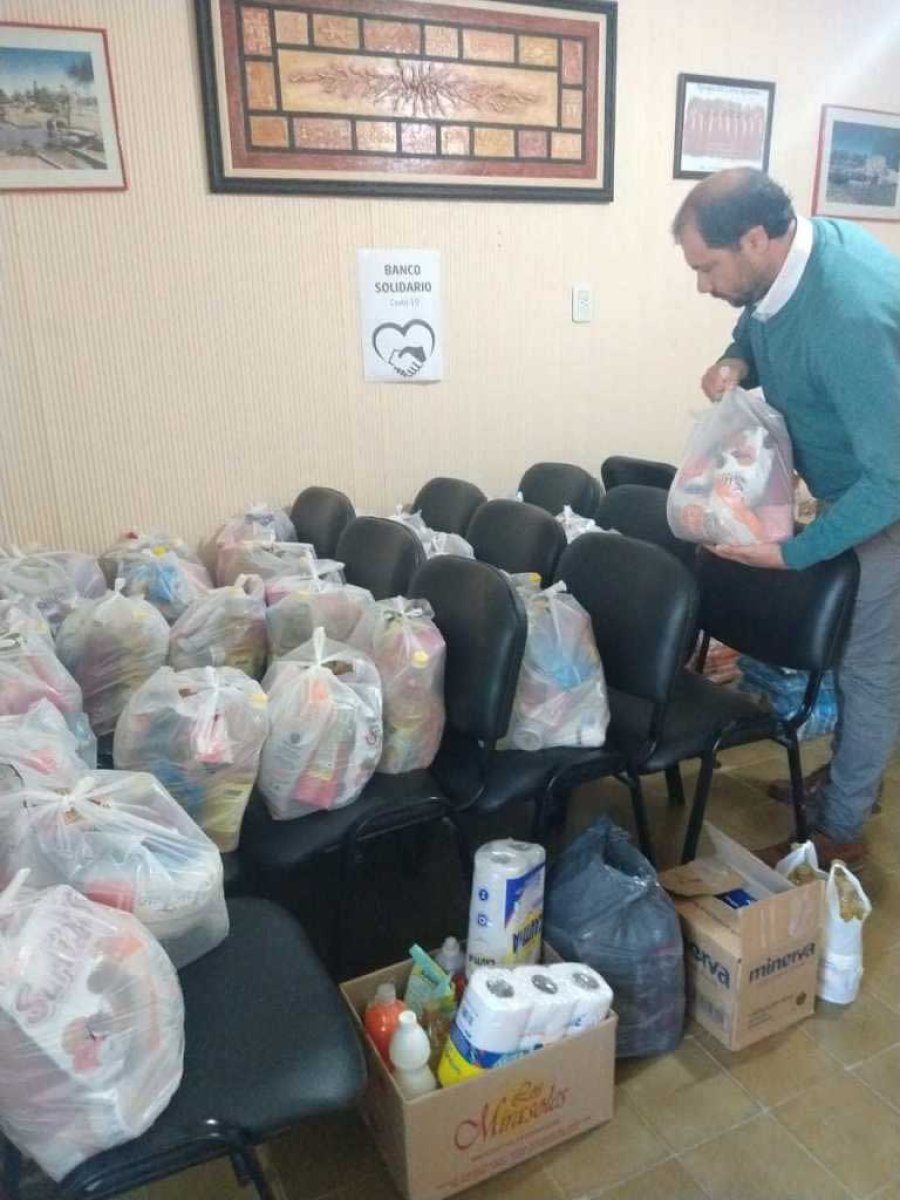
(57, 113)
(477, 99)
(858, 168)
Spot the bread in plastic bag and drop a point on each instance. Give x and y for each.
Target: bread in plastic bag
(401, 638)
(605, 907)
(735, 483)
(112, 646)
(91, 1026)
(20, 615)
(38, 749)
(298, 606)
(200, 732)
(325, 732)
(224, 628)
(560, 697)
(120, 839)
(268, 560)
(30, 671)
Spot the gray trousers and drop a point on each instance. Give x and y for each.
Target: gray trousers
(868, 687)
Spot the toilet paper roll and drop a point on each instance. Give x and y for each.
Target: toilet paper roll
(507, 907)
(592, 994)
(552, 1001)
(493, 1013)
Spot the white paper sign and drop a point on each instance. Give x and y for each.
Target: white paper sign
(400, 306)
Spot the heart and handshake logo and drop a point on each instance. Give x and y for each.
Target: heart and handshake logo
(405, 348)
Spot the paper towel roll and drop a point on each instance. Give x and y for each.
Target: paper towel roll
(493, 1012)
(593, 995)
(507, 907)
(552, 1003)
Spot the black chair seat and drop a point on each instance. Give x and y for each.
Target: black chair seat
(698, 710)
(231, 872)
(268, 1043)
(285, 845)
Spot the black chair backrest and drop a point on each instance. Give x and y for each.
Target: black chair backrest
(619, 469)
(517, 536)
(319, 515)
(639, 511)
(643, 606)
(483, 622)
(552, 485)
(380, 555)
(448, 504)
(796, 619)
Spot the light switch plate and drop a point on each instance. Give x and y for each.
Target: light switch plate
(582, 302)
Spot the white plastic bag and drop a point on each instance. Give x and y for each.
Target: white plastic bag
(401, 638)
(111, 646)
(434, 541)
(735, 483)
(560, 696)
(258, 523)
(29, 672)
(168, 581)
(120, 839)
(573, 524)
(200, 732)
(37, 749)
(224, 628)
(298, 606)
(324, 728)
(267, 560)
(40, 579)
(22, 616)
(91, 1026)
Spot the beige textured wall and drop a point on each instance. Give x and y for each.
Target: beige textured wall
(168, 354)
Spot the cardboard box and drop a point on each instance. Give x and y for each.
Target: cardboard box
(441, 1143)
(751, 943)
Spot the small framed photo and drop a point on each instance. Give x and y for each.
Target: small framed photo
(721, 123)
(57, 113)
(858, 168)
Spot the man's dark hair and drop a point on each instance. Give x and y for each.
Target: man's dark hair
(725, 205)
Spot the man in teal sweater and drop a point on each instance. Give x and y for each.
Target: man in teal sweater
(820, 333)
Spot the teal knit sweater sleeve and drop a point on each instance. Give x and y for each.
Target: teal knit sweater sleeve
(741, 348)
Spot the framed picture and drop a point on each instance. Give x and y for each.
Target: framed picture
(57, 113)
(721, 123)
(858, 168)
(481, 99)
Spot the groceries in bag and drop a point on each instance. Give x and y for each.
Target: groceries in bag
(112, 646)
(298, 606)
(41, 580)
(324, 728)
(506, 910)
(169, 582)
(258, 522)
(268, 560)
(91, 1026)
(226, 627)
(120, 839)
(784, 689)
(132, 542)
(434, 541)
(22, 616)
(30, 672)
(735, 483)
(38, 749)
(200, 732)
(607, 909)
(560, 696)
(401, 638)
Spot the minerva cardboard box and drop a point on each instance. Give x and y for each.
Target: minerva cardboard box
(751, 942)
(446, 1141)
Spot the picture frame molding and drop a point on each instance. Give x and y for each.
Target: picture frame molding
(684, 79)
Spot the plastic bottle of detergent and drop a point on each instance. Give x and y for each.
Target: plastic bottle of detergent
(409, 1052)
(452, 958)
(381, 1017)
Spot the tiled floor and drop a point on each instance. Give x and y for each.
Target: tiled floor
(811, 1114)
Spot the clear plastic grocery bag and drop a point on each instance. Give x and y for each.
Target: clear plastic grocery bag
(22, 616)
(298, 606)
(401, 638)
(324, 728)
(267, 560)
(169, 582)
(91, 1026)
(112, 646)
(258, 522)
(605, 907)
(573, 524)
(224, 628)
(200, 732)
(30, 671)
(735, 483)
(40, 579)
(561, 695)
(38, 749)
(434, 541)
(120, 839)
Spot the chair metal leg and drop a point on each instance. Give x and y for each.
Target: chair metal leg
(255, 1174)
(698, 808)
(674, 785)
(798, 792)
(645, 841)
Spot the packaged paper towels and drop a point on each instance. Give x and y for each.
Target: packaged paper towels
(506, 914)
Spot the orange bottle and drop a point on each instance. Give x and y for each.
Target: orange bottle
(382, 1017)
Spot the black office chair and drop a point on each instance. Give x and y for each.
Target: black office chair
(620, 469)
(448, 504)
(483, 622)
(639, 511)
(268, 1043)
(319, 515)
(517, 537)
(380, 555)
(552, 485)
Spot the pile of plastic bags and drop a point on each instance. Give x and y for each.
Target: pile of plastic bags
(298, 606)
(162, 569)
(55, 580)
(226, 627)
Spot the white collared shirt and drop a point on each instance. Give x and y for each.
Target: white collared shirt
(789, 276)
